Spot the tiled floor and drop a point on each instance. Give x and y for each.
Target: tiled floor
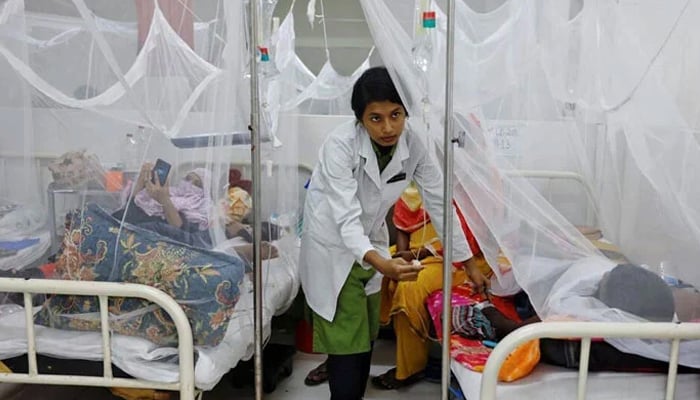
(291, 388)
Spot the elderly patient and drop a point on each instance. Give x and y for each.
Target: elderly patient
(181, 212)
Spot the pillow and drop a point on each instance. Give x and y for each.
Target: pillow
(96, 247)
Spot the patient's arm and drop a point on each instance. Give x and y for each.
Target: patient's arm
(403, 245)
(144, 175)
(268, 251)
(162, 195)
(235, 228)
(504, 325)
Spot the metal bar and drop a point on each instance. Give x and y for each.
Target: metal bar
(84, 288)
(255, 23)
(561, 330)
(31, 336)
(106, 344)
(447, 204)
(45, 156)
(583, 367)
(545, 174)
(4, 182)
(93, 381)
(672, 370)
(51, 196)
(563, 175)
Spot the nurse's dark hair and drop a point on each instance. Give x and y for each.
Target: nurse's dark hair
(375, 84)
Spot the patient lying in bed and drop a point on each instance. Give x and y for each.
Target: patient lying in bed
(626, 287)
(181, 212)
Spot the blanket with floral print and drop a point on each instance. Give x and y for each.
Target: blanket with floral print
(97, 247)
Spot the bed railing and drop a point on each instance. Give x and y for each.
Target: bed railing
(586, 331)
(103, 290)
(551, 176)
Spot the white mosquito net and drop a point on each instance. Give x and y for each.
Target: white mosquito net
(326, 93)
(125, 156)
(595, 89)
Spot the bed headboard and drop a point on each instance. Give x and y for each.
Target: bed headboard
(550, 177)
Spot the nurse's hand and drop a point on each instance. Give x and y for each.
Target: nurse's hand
(399, 269)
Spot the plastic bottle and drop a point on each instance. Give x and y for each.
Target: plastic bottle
(423, 52)
(286, 222)
(130, 159)
(664, 267)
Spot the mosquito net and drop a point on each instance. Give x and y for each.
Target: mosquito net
(326, 93)
(592, 90)
(125, 156)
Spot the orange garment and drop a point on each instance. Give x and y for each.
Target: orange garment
(405, 303)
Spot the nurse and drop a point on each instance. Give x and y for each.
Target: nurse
(364, 166)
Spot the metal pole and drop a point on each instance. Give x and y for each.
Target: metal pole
(254, 40)
(447, 205)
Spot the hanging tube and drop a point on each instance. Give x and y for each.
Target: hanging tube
(447, 205)
(254, 40)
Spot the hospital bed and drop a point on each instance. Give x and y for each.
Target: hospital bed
(548, 381)
(559, 383)
(185, 368)
(154, 366)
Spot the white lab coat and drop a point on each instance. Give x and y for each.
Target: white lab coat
(346, 206)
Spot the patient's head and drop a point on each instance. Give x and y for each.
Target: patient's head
(197, 177)
(637, 291)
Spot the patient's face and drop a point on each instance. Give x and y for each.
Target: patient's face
(194, 179)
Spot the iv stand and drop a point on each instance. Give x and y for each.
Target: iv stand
(253, 42)
(447, 204)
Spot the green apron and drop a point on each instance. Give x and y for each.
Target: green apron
(356, 320)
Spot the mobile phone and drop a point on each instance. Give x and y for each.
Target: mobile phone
(160, 170)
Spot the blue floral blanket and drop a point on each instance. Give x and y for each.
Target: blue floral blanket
(97, 247)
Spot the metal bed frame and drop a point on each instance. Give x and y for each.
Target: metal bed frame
(586, 331)
(103, 290)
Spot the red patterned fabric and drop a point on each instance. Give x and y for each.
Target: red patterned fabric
(468, 352)
(408, 221)
(463, 295)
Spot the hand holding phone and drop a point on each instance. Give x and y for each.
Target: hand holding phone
(160, 171)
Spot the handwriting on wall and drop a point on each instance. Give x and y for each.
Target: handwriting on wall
(506, 139)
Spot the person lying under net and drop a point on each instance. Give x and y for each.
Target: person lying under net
(403, 303)
(180, 212)
(625, 287)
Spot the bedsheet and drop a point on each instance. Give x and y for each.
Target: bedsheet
(550, 382)
(27, 256)
(146, 360)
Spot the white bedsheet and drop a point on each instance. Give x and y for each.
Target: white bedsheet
(31, 254)
(550, 382)
(143, 359)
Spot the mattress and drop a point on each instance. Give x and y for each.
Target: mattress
(550, 382)
(145, 360)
